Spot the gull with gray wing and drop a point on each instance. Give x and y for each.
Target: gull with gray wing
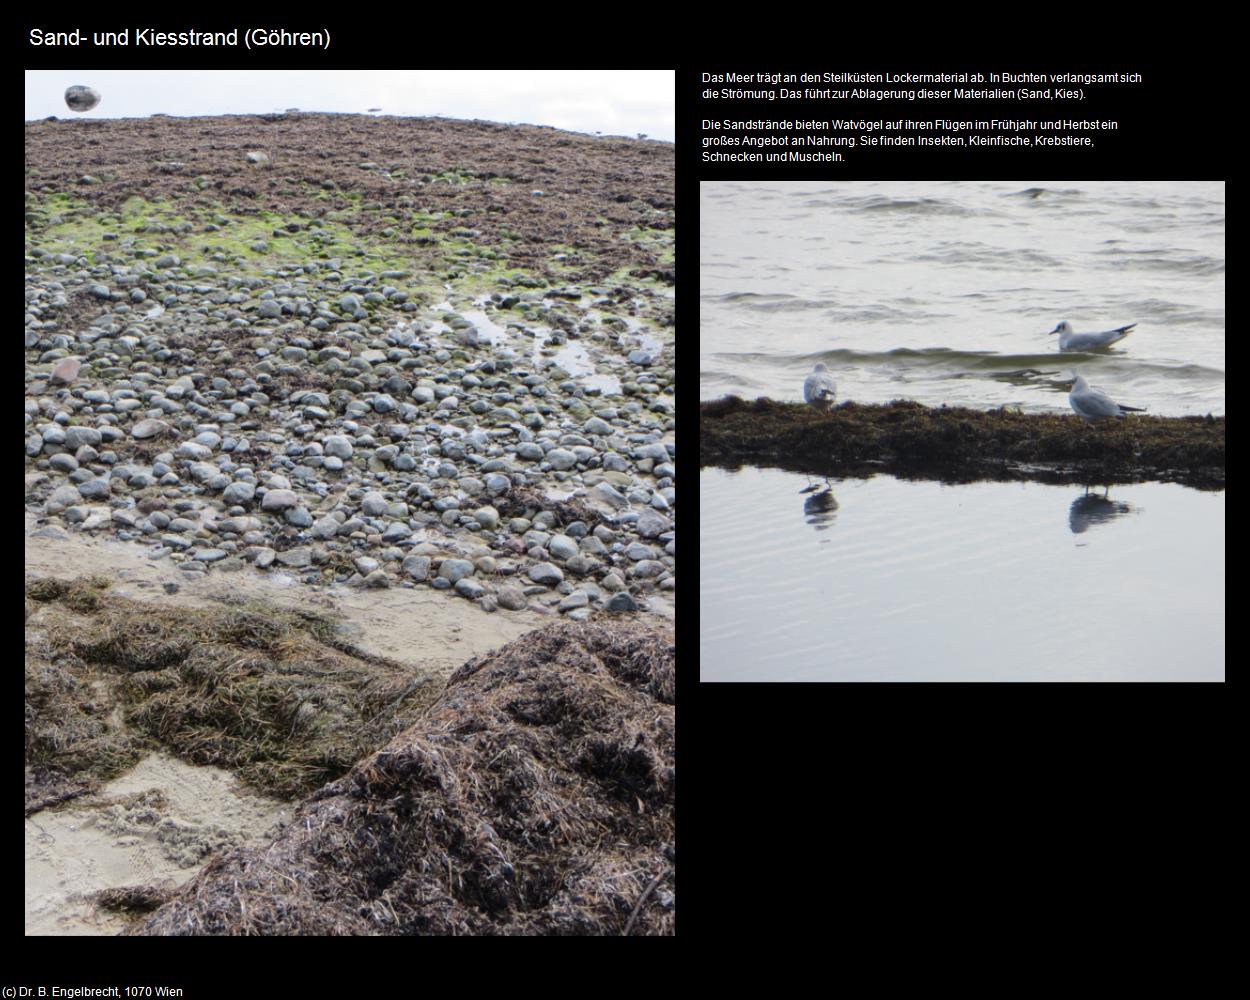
(819, 388)
(1091, 404)
(1070, 340)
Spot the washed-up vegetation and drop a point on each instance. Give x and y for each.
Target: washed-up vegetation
(271, 694)
(534, 797)
(958, 444)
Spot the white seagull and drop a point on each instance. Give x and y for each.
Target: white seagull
(1090, 404)
(1070, 340)
(819, 388)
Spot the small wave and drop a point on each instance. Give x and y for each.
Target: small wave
(719, 377)
(850, 358)
(746, 296)
(967, 363)
(1162, 260)
(1037, 193)
(988, 257)
(1174, 313)
(876, 204)
(778, 303)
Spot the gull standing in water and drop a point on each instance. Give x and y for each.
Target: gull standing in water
(1070, 340)
(818, 388)
(1090, 404)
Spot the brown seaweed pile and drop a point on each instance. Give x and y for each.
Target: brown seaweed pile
(956, 444)
(273, 695)
(535, 796)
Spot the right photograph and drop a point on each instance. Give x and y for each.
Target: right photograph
(962, 431)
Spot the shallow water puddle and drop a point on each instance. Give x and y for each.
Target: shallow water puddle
(649, 343)
(607, 385)
(487, 330)
(888, 579)
(574, 359)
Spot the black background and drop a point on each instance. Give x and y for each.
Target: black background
(857, 815)
(1030, 820)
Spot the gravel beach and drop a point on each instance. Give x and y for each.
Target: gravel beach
(358, 351)
(332, 421)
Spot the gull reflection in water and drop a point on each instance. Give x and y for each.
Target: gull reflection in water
(820, 509)
(1091, 509)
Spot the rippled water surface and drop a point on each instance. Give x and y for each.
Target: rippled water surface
(886, 579)
(942, 292)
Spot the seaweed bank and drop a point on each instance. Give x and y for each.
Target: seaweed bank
(531, 793)
(959, 444)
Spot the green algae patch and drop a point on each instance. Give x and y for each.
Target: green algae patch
(253, 242)
(960, 445)
(429, 246)
(271, 694)
(387, 181)
(660, 242)
(461, 176)
(648, 281)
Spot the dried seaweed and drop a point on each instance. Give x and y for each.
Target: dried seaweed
(534, 797)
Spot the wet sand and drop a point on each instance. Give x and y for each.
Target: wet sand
(160, 822)
(156, 825)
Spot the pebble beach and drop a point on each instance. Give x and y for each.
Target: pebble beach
(428, 357)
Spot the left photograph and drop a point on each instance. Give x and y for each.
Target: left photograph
(350, 503)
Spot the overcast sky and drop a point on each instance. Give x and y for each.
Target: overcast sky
(614, 102)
